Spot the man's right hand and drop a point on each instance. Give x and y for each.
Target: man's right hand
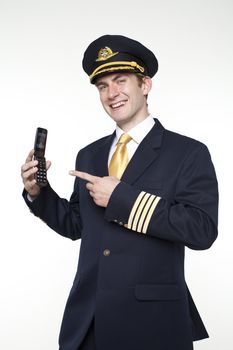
(28, 170)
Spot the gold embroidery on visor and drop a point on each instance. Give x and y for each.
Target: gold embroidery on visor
(111, 66)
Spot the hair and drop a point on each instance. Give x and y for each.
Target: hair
(140, 78)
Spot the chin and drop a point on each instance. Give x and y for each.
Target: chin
(119, 119)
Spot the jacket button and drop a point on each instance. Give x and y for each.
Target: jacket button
(106, 252)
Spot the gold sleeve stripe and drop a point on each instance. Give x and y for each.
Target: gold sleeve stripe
(140, 211)
(149, 214)
(144, 213)
(134, 209)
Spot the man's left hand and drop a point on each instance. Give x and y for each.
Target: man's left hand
(100, 188)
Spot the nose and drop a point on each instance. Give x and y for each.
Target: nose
(113, 91)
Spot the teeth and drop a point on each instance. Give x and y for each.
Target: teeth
(118, 104)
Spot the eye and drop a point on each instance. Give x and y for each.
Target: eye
(102, 87)
(121, 80)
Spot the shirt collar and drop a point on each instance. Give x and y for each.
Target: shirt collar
(139, 131)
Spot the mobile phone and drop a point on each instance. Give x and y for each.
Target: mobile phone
(39, 155)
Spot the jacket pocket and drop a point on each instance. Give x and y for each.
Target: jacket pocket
(157, 292)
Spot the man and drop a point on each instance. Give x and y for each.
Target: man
(140, 196)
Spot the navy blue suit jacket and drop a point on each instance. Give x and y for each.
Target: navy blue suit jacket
(132, 282)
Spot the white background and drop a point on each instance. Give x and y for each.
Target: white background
(42, 84)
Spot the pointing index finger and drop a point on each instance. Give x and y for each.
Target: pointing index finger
(84, 176)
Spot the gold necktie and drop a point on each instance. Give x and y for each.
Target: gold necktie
(119, 159)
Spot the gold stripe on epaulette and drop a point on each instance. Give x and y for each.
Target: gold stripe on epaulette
(111, 66)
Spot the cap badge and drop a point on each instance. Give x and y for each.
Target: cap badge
(105, 54)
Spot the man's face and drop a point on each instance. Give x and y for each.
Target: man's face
(123, 97)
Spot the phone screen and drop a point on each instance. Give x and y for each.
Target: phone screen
(40, 142)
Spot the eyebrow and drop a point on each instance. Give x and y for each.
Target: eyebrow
(99, 83)
(118, 76)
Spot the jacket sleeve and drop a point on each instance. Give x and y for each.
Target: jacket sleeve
(190, 218)
(61, 215)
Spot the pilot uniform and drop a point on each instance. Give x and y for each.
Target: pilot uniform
(129, 292)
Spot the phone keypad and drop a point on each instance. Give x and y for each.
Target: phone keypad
(41, 175)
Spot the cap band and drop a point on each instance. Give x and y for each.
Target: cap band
(106, 67)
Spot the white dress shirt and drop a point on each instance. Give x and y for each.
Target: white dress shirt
(137, 133)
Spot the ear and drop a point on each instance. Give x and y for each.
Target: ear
(147, 85)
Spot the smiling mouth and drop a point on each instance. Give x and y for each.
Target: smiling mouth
(117, 104)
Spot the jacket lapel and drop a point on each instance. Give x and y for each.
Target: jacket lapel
(146, 153)
(100, 157)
